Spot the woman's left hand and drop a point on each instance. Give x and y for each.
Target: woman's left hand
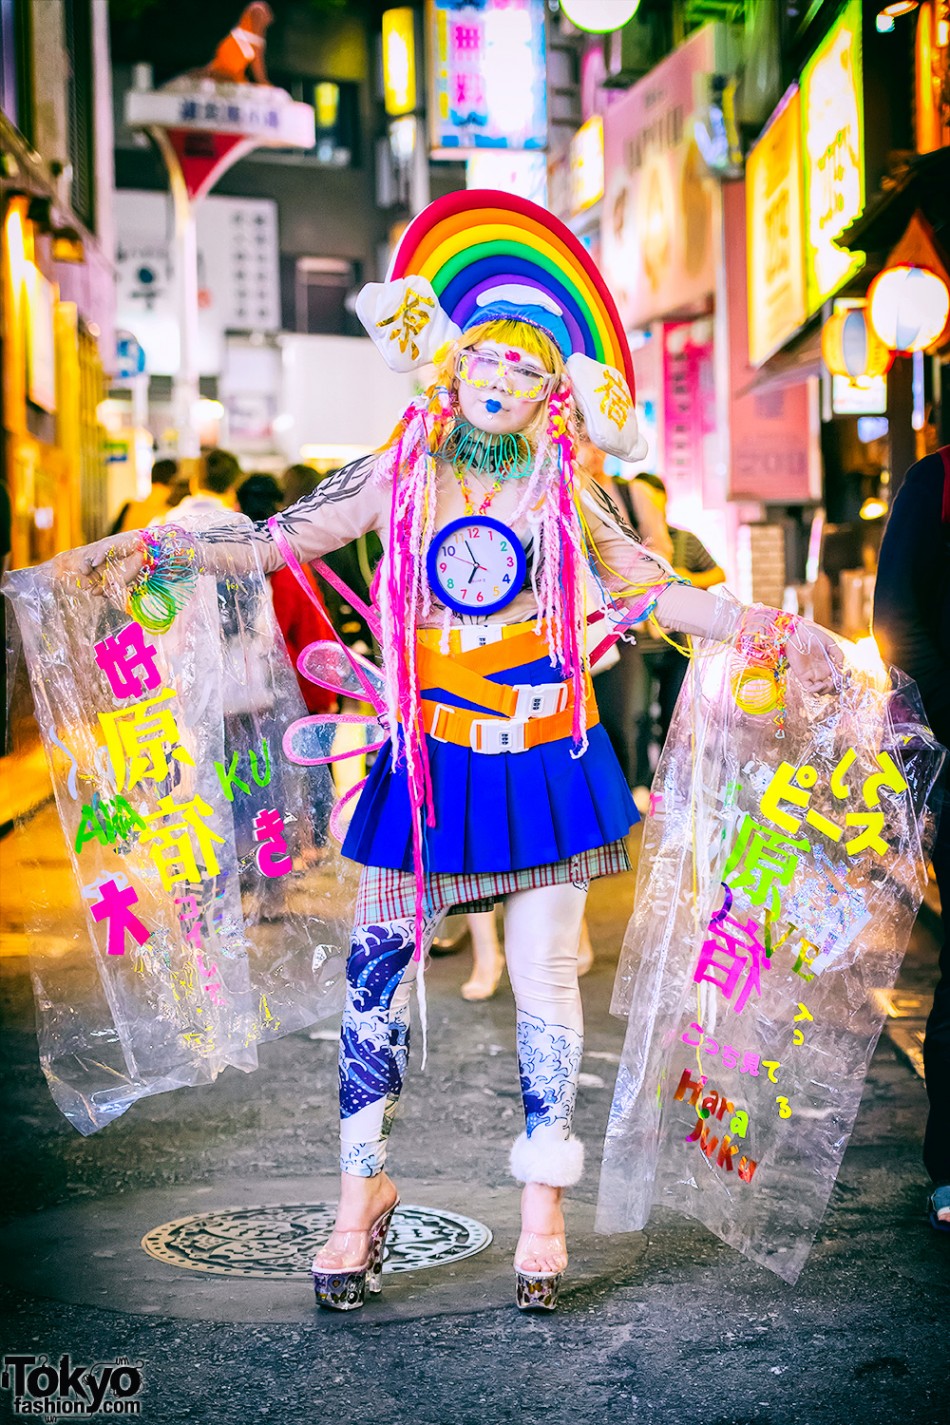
(815, 657)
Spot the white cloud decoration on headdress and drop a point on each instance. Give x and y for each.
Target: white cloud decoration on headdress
(405, 320)
(602, 394)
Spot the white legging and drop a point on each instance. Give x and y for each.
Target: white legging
(542, 931)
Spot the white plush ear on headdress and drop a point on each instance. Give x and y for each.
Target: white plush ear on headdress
(405, 320)
(604, 398)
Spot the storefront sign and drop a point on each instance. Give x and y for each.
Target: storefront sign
(773, 450)
(659, 201)
(510, 171)
(587, 165)
(689, 408)
(399, 61)
(833, 135)
(238, 274)
(487, 75)
(775, 231)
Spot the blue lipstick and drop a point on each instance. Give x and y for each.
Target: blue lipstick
(492, 406)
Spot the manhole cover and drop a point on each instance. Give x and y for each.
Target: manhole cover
(279, 1241)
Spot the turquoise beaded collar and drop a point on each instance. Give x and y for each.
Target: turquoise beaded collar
(487, 454)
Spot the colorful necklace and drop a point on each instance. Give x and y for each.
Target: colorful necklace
(489, 455)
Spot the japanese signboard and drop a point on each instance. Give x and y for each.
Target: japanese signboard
(775, 231)
(487, 75)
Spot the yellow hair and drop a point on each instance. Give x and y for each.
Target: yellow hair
(506, 330)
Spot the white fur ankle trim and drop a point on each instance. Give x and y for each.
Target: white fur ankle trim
(548, 1158)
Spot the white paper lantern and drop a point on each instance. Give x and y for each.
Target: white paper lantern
(908, 307)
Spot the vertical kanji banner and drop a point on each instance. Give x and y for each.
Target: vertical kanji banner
(783, 863)
(214, 918)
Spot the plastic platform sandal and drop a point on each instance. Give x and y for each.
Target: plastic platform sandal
(538, 1291)
(345, 1288)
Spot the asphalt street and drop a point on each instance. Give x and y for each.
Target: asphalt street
(665, 1326)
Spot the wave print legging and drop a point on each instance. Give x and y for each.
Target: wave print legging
(542, 930)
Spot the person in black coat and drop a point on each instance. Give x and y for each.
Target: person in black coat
(912, 627)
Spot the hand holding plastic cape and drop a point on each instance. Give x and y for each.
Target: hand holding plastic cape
(184, 824)
(783, 863)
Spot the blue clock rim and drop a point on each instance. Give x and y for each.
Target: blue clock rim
(521, 564)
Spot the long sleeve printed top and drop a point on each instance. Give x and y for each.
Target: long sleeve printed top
(356, 500)
(912, 592)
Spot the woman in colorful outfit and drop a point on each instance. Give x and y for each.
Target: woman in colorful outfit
(498, 781)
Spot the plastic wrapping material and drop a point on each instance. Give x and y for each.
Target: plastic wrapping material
(780, 875)
(216, 911)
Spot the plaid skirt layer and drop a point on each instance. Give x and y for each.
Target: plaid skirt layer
(391, 895)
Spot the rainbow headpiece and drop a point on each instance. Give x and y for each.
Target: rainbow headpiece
(477, 254)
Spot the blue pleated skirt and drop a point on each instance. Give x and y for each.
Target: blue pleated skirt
(496, 812)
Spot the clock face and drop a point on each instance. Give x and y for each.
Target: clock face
(476, 565)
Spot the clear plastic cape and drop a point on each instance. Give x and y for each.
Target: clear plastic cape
(212, 911)
(762, 930)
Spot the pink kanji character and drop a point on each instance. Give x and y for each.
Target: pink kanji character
(710, 1046)
(121, 654)
(273, 858)
(889, 776)
(693, 1043)
(730, 1056)
(741, 951)
(750, 1065)
(114, 906)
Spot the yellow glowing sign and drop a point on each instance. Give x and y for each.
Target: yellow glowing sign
(833, 131)
(399, 61)
(775, 232)
(587, 165)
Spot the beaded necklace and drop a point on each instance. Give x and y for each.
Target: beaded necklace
(489, 455)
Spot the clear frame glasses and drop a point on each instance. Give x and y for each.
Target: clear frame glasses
(520, 380)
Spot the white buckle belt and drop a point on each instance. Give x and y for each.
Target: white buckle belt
(493, 734)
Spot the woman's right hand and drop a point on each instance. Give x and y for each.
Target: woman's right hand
(107, 567)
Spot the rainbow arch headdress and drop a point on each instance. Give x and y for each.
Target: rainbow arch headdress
(479, 253)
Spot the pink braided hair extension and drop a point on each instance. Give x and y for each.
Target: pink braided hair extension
(557, 577)
(404, 598)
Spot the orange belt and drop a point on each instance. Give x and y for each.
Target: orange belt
(496, 734)
(527, 715)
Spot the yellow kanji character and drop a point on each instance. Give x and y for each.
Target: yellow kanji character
(773, 1067)
(615, 403)
(841, 771)
(790, 784)
(872, 822)
(136, 739)
(804, 960)
(787, 785)
(172, 850)
(408, 320)
(889, 776)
